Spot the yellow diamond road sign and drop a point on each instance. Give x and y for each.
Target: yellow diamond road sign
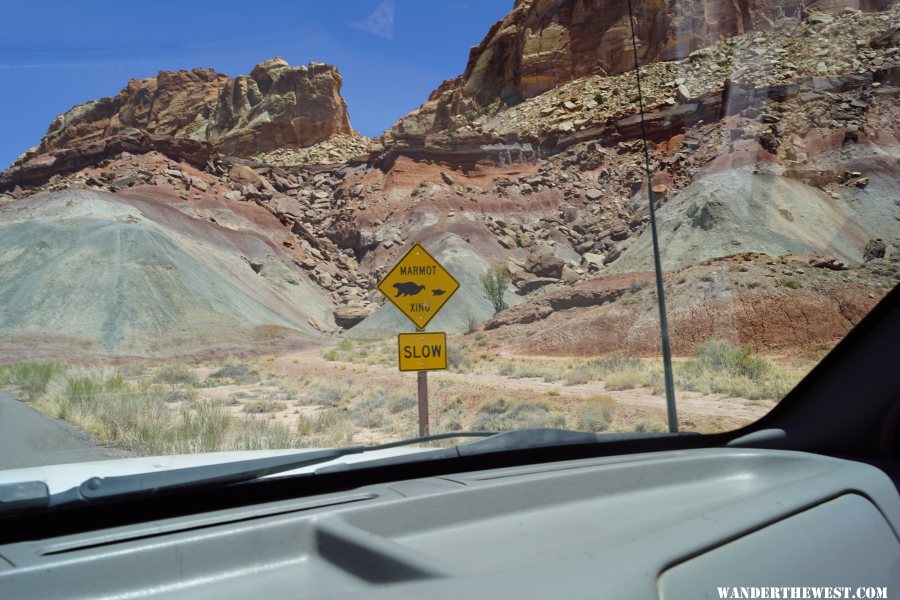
(422, 351)
(419, 286)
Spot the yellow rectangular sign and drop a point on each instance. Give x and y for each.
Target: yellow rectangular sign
(422, 351)
(419, 286)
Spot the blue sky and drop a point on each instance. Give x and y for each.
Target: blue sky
(391, 53)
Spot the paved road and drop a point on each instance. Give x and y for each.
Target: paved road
(29, 438)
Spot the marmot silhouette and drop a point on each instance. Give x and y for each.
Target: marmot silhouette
(407, 288)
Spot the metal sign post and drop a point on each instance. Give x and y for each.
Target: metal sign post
(422, 352)
(423, 403)
(419, 286)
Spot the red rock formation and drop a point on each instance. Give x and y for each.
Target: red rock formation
(275, 106)
(544, 43)
(37, 169)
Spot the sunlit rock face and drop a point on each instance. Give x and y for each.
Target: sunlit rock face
(542, 44)
(276, 106)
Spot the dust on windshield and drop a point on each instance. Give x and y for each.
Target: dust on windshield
(216, 243)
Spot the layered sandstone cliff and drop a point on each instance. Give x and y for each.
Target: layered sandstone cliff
(542, 44)
(276, 106)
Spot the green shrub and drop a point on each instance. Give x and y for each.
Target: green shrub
(494, 282)
(331, 355)
(721, 355)
(31, 377)
(720, 367)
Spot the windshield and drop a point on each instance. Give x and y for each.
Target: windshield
(326, 225)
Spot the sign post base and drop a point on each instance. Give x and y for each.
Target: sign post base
(423, 403)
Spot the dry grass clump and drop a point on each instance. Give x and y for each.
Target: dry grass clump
(174, 374)
(237, 373)
(501, 414)
(450, 415)
(596, 413)
(329, 395)
(368, 352)
(525, 369)
(141, 417)
(386, 411)
(714, 367)
(650, 427)
(328, 427)
(262, 406)
(457, 359)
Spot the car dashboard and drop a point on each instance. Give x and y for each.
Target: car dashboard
(678, 524)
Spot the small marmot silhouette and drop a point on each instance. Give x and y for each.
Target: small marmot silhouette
(407, 288)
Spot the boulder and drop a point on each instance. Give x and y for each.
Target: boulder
(593, 260)
(828, 262)
(348, 316)
(544, 265)
(526, 286)
(874, 249)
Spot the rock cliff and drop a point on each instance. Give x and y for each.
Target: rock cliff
(276, 106)
(542, 44)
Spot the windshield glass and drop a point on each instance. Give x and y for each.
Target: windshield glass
(338, 224)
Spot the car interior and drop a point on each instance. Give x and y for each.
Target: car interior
(806, 496)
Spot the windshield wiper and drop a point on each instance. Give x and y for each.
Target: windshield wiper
(99, 488)
(227, 473)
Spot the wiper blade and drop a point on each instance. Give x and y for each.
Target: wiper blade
(523, 439)
(99, 488)
(215, 475)
(507, 441)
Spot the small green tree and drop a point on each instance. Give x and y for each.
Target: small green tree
(494, 282)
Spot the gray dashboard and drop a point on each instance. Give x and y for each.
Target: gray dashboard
(661, 525)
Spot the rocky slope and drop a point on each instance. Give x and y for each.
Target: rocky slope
(778, 305)
(542, 45)
(275, 106)
(90, 271)
(777, 142)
